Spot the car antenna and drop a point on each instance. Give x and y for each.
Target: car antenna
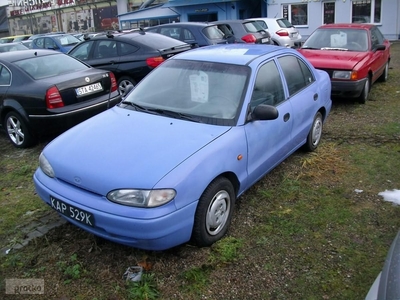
(141, 30)
(35, 53)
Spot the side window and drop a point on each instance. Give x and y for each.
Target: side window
(82, 51)
(105, 49)
(5, 76)
(39, 42)
(49, 44)
(187, 35)
(268, 88)
(171, 32)
(297, 74)
(376, 37)
(125, 48)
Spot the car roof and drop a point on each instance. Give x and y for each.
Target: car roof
(348, 25)
(19, 55)
(233, 21)
(193, 24)
(239, 54)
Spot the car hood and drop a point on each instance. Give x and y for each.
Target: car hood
(121, 148)
(333, 59)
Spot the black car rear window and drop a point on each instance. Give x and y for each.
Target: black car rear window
(252, 26)
(40, 67)
(157, 41)
(213, 33)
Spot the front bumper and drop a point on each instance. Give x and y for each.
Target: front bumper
(347, 89)
(157, 228)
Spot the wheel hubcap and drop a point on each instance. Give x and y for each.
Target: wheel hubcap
(123, 87)
(14, 131)
(218, 213)
(317, 132)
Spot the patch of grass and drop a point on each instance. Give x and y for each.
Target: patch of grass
(72, 269)
(226, 250)
(145, 289)
(196, 279)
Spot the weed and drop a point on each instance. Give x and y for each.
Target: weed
(196, 279)
(145, 289)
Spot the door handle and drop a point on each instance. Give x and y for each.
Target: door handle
(286, 117)
(315, 97)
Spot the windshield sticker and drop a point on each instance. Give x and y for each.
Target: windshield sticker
(339, 39)
(199, 87)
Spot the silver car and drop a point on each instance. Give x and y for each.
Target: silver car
(282, 32)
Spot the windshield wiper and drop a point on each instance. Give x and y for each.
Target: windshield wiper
(174, 114)
(136, 106)
(310, 48)
(335, 49)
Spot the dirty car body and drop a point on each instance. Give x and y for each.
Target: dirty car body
(166, 165)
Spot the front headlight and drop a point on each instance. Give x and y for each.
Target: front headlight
(45, 166)
(342, 75)
(141, 198)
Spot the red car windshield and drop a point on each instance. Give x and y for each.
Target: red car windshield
(338, 39)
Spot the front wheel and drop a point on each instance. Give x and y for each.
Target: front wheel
(315, 134)
(17, 130)
(214, 212)
(365, 92)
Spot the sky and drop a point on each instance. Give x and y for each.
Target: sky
(391, 196)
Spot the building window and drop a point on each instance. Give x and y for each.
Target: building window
(366, 11)
(295, 13)
(329, 12)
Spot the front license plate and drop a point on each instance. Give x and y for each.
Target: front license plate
(72, 212)
(88, 89)
(266, 40)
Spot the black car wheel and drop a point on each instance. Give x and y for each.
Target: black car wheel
(17, 130)
(315, 134)
(214, 212)
(125, 84)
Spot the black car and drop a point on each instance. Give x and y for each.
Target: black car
(244, 31)
(194, 33)
(129, 55)
(44, 91)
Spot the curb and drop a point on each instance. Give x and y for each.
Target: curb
(38, 228)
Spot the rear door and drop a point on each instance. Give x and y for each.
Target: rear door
(303, 94)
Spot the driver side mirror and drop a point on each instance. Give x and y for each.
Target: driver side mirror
(379, 47)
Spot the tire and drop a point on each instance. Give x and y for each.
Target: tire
(124, 83)
(17, 130)
(365, 92)
(315, 134)
(385, 74)
(214, 212)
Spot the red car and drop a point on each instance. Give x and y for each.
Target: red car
(354, 56)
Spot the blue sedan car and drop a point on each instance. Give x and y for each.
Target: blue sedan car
(58, 42)
(166, 165)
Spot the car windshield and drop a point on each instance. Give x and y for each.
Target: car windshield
(66, 40)
(341, 39)
(205, 91)
(12, 47)
(40, 67)
(213, 33)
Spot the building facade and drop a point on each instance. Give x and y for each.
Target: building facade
(42, 16)
(307, 15)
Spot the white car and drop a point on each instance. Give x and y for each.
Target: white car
(282, 32)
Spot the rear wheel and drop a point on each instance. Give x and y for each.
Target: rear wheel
(315, 134)
(125, 84)
(365, 92)
(17, 130)
(385, 73)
